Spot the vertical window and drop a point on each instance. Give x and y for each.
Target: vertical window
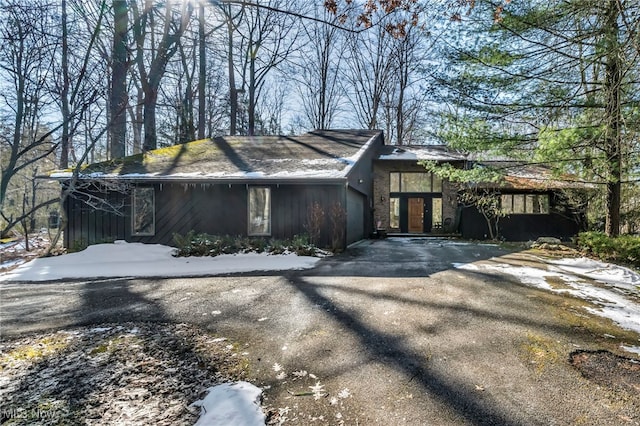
(394, 212)
(144, 217)
(518, 203)
(506, 201)
(259, 211)
(436, 213)
(394, 182)
(437, 184)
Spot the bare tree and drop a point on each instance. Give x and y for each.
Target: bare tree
(318, 68)
(152, 56)
(267, 38)
(120, 63)
(27, 55)
(369, 73)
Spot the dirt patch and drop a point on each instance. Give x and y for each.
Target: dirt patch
(608, 369)
(130, 373)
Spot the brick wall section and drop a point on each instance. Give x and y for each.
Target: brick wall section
(381, 170)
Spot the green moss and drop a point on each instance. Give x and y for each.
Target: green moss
(540, 351)
(37, 350)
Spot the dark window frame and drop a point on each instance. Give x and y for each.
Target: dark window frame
(251, 229)
(432, 179)
(527, 200)
(136, 229)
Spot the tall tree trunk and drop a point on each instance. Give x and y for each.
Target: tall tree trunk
(251, 108)
(202, 76)
(149, 119)
(613, 143)
(233, 92)
(118, 101)
(64, 141)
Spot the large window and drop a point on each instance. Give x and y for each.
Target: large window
(143, 215)
(259, 211)
(414, 182)
(525, 203)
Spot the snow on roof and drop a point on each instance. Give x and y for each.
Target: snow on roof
(322, 154)
(420, 152)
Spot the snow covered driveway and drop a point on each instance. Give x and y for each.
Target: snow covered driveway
(389, 332)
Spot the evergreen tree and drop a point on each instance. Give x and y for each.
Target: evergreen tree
(554, 82)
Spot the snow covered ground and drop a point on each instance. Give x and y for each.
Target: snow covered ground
(613, 290)
(122, 259)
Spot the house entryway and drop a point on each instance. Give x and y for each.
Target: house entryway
(417, 213)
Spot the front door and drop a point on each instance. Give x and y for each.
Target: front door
(416, 215)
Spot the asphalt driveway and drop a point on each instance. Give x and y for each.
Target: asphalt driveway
(389, 331)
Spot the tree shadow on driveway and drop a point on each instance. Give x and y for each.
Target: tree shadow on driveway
(391, 350)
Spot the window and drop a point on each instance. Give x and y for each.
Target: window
(394, 212)
(414, 182)
(144, 217)
(259, 211)
(525, 203)
(436, 213)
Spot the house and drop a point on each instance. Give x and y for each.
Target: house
(410, 200)
(274, 186)
(251, 186)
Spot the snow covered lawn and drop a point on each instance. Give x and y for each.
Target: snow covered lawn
(613, 291)
(122, 259)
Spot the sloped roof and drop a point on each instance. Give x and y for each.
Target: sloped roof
(520, 176)
(321, 154)
(419, 152)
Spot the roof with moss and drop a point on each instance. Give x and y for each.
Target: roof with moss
(322, 154)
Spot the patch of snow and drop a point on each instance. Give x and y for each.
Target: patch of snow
(318, 391)
(123, 259)
(99, 329)
(632, 349)
(12, 263)
(466, 266)
(614, 298)
(344, 393)
(231, 404)
(606, 273)
(420, 153)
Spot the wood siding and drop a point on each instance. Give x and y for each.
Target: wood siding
(89, 225)
(218, 209)
(560, 223)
